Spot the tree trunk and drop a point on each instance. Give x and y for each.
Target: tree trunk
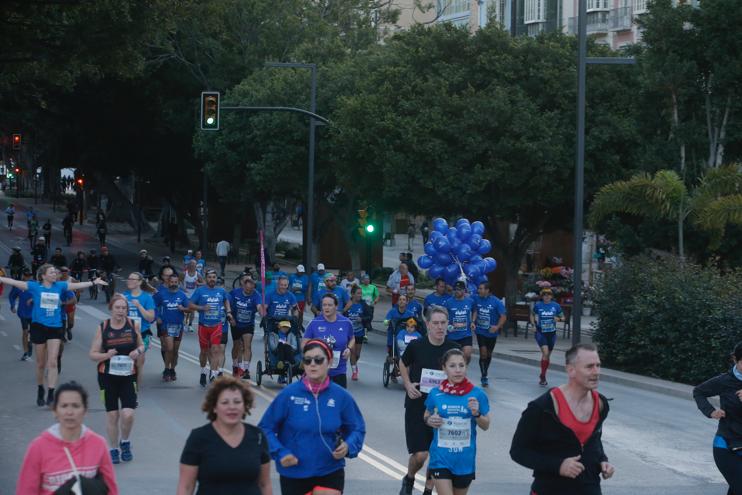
(271, 219)
(723, 133)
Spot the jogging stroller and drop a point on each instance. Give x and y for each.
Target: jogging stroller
(390, 368)
(282, 353)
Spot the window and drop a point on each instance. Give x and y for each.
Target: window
(597, 5)
(453, 8)
(534, 11)
(640, 6)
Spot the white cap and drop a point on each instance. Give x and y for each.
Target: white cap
(300, 268)
(321, 266)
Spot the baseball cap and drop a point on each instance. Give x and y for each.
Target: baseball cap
(411, 321)
(459, 285)
(284, 324)
(321, 266)
(546, 290)
(330, 276)
(300, 268)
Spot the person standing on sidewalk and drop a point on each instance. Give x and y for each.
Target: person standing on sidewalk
(559, 433)
(728, 439)
(222, 252)
(420, 368)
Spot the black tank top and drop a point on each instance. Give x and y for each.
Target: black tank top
(124, 340)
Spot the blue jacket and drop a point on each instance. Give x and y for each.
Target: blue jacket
(293, 421)
(23, 296)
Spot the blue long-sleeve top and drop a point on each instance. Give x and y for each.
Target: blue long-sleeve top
(22, 296)
(294, 420)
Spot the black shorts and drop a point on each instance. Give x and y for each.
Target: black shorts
(41, 333)
(358, 339)
(417, 434)
(459, 480)
(302, 486)
(25, 323)
(238, 332)
(115, 389)
(225, 338)
(488, 342)
(341, 380)
(466, 341)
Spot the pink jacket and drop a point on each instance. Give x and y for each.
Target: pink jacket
(46, 468)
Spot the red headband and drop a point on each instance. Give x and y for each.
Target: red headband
(322, 344)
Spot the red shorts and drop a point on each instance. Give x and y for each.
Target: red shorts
(301, 304)
(208, 336)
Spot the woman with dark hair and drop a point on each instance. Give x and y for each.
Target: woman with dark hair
(226, 455)
(55, 459)
(312, 425)
(337, 332)
(728, 439)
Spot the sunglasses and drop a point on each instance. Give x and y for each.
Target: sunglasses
(317, 360)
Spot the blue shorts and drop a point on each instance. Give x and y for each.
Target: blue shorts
(545, 339)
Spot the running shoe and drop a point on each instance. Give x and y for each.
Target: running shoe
(203, 380)
(126, 454)
(407, 485)
(69, 334)
(115, 459)
(354, 376)
(25, 357)
(50, 397)
(40, 397)
(165, 375)
(542, 381)
(246, 375)
(485, 381)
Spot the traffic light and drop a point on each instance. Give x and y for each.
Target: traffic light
(17, 170)
(80, 182)
(210, 111)
(365, 224)
(16, 140)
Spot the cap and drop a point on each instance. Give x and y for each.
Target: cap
(16, 248)
(546, 290)
(284, 324)
(459, 285)
(142, 251)
(320, 266)
(411, 321)
(330, 276)
(190, 251)
(300, 268)
(41, 238)
(365, 276)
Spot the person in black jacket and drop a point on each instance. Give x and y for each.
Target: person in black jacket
(728, 440)
(559, 433)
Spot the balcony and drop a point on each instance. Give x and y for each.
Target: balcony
(621, 19)
(597, 23)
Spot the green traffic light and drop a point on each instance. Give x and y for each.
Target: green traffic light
(370, 228)
(210, 120)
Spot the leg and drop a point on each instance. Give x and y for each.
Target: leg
(483, 360)
(40, 364)
(467, 353)
(112, 428)
(730, 466)
(169, 346)
(444, 487)
(356, 355)
(176, 350)
(52, 351)
(127, 423)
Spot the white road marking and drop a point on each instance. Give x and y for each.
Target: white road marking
(2, 318)
(3, 333)
(16, 347)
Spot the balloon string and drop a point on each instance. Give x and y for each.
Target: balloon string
(461, 267)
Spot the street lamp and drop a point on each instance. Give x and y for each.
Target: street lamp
(310, 175)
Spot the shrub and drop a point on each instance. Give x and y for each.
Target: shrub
(667, 319)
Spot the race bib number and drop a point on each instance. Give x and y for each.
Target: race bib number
(454, 433)
(121, 366)
(548, 326)
(335, 359)
(429, 379)
(212, 312)
(409, 338)
(49, 300)
(174, 330)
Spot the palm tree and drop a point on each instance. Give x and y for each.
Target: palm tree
(715, 202)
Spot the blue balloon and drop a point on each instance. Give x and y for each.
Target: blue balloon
(441, 225)
(443, 259)
(452, 272)
(485, 247)
(464, 252)
(461, 221)
(475, 240)
(489, 264)
(477, 227)
(436, 271)
(475, 259)
(442, 245)
(425, 262)
(435, 235)
(482, 279)
(472, 271)
(430, 249)
(464, 231)
(472, 288)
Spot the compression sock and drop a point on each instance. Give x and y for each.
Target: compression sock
(544, 367)
(487, 365)
(483, 365)
(205, 370)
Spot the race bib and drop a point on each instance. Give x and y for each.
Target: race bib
(429, 379)
(548, 326)
(121, 366)
(49, 300)
(335, 359)
(212, 312)
(455, 433)
(174, 330)
(409, 338)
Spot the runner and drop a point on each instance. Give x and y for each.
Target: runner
(728, 439)
(200, 263)
(46, 229)
(437, 298)
(144, 264)
(489, 318)
(16, 263)
(460, 308)
(187, 258)
(337, 332)
(371, 296)
(559, 433)
(38, 255)
(393, 316)
(163, 287)
(212, 303)
(312, 426)
(330, 288)
(23, 310)
(420, 368)
(108, 267)
(191, 281)
(299, 283)
(78, 266)
(46, 324)
(358, 313)
(116, 347)
(70, 303)
(413, 306)
(316, 283)
(10, 214)
(246, 303)
(141, 311)
(544, 317)
(454, 409)
(281, 304)
(172, 304)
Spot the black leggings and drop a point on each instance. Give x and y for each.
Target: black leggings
(730, 465)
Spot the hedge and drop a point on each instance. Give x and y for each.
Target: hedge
(668, 319)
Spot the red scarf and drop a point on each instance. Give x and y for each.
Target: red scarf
(461, 388)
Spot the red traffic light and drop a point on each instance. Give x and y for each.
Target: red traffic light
(80, 182)
(17, 170)
(16, 141)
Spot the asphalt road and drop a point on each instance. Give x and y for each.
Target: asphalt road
(659, 444)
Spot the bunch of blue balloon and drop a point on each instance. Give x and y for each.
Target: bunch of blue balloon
(456, 253)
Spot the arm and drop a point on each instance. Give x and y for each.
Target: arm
(14, 283)
(354, 426)
(147, 314)
(29, 479)
(12, 297)
(501, 322)
(709, 388)
(404, 372)
(271, 424)
(85, 285)
(525, 447)
(95, 348)
(264, 479)
(377, 296)
(187, 479)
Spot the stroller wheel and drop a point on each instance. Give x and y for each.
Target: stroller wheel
(289, 374)
(386, 371)
(259, 373)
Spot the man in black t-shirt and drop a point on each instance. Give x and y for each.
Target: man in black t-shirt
(421, 371)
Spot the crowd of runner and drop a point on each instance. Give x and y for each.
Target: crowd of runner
(314, 423)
